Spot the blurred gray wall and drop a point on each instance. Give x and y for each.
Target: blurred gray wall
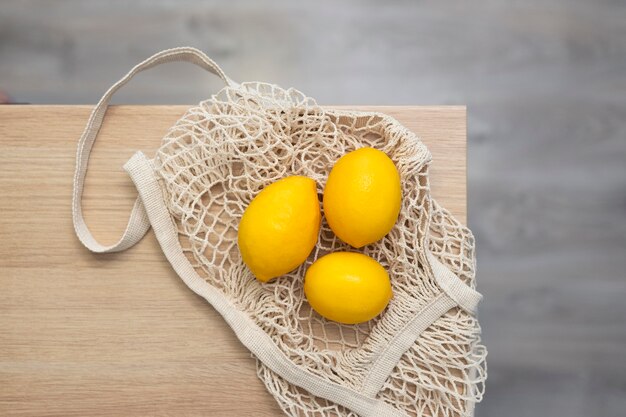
(545, 85)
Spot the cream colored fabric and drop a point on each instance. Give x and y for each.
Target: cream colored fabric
(138, 223)
(421, 356)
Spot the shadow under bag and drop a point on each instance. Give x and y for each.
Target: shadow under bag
(421, 357)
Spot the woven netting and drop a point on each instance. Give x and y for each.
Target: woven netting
(223, 152)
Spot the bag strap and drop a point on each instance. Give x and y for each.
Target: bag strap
(138, 223)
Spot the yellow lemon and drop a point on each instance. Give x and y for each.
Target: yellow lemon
(347, 287)
(279, 228)
(362, 196)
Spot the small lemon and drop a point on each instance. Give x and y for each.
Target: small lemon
(347, 287)
(362, 196)
(279, 228)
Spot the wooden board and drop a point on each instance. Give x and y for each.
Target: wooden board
(120, 334)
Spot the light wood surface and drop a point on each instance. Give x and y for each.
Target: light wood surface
(84, 334)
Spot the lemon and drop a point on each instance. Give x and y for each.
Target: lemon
(279, 228)
(362, 196)
(347, 287)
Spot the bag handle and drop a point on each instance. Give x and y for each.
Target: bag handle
(138, 223)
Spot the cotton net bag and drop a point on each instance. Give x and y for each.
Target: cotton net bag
(421, 357)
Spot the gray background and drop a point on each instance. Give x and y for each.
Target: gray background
(545, 85)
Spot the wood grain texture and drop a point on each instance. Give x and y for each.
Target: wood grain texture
(120, 334)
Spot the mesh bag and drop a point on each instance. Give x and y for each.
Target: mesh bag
(421, 357)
